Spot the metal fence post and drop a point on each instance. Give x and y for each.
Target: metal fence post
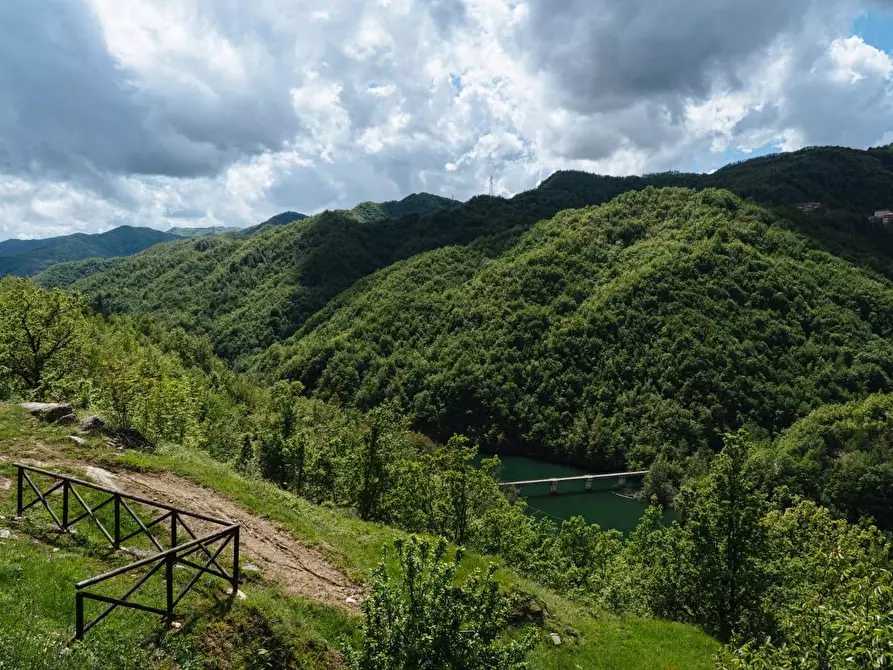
(236, 562)
(117, 521)
(65, 505)
(169, 584)
(79, 616)
(173, 529)
(19, 501)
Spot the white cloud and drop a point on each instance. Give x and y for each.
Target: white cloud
(160, 112)
(854, 60)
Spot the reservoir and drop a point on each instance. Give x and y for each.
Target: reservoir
(605, 505)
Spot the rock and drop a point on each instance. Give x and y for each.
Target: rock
(556, 638)
(67, 419)
(129, 438)
(81, 442)
(527, 609)
(353, 600)
(92, 423)
(239, 594)
(48, 411)
(5, 534)
(176, 625)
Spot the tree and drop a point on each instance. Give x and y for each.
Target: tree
(725, 545)
(381, 450)
(854, 630)
(586, 551)
(422, 619)
(41, 333)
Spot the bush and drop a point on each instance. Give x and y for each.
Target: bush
(423, 619)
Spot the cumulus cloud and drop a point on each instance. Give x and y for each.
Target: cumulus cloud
(162, 112)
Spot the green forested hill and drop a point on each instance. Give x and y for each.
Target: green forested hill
(201, 231)
(281, 219)
(248, 292)
(28, 257)
(839, 177)
(606, 335)
(840, 455)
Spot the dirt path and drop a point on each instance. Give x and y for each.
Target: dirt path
(300, 570)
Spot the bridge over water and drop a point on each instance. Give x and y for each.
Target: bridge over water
(587, 480)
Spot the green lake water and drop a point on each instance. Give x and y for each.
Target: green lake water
(604, 505)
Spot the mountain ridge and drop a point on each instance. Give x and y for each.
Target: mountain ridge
(249, 293)
(28, 257)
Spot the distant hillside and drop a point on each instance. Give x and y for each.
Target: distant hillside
(182, 231)
(248, 292)
(417, 203)
(28, 257)
(608, 335)
(279, 220)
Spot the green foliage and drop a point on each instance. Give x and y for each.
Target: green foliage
(245, 291)
(423, 619)
(846, 621)
(166, 384)
(42, 336)
(607, 336)
(250, 290)
(841, 455)
(29, 257)
(725, 547)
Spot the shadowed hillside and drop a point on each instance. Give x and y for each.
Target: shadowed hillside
(29, 257)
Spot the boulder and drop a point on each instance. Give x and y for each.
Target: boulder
(67, 419)
(92, 423)
(129, 438)
(48, 411)
(5, 534)
(556, 638)
(527, 609)
(81, 442)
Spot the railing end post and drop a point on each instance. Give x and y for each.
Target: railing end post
(20, 492)
(79, 616)
(236, 561)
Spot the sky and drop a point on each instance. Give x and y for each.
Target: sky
(223, 112)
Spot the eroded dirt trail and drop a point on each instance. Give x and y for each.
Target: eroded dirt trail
(300, 570)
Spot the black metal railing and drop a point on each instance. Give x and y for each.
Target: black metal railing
(211, 545)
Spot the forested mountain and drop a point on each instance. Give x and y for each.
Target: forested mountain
(249, 291)
(28, 257)
(279, 220)
(608, 335)
(740, 349)
(246, 292)
(201, 231)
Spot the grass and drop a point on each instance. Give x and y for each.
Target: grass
(269, 629)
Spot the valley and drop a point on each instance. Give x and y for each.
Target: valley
(339, 383)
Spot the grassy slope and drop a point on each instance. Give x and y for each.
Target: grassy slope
(41, 623)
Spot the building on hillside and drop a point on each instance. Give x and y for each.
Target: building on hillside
(811, 207)
(883, 216)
